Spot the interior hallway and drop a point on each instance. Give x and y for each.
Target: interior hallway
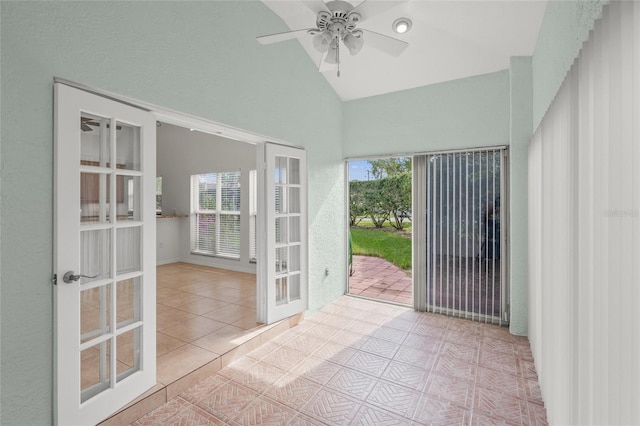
(364, 362)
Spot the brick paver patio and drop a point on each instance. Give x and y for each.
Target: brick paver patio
(380, 279)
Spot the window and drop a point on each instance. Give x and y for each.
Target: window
(159, 195)
(215, 218)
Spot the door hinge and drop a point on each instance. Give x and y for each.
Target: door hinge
(54, 279)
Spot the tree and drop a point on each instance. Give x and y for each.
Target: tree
(357, 202)
(388, 167)
(376, 207)
(396, 195)
(386, 197)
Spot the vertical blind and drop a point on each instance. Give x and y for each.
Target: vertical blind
(584, 231)
(462, 273)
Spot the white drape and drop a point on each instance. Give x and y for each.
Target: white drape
(584, 231)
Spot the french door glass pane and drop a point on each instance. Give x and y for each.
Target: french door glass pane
(281, 290)
(94, 141)
(129, 200)
(281, 230)
(95, 254)
(128, 147)
(281, 170)
(128, 301)
(294, 258)
(294, 229)
(128, 249)
(95, 366)
(294, 287)
(281, 259)
(294, 171)
(281, 199)
(95, 318)
(128, 353)
(294, 200)
(94, 197)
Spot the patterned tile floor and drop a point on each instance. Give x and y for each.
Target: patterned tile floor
(380, 279)
(363, 362)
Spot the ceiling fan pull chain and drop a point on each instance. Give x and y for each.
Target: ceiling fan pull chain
(338, 56)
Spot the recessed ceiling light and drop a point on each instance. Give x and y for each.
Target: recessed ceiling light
(401, 25)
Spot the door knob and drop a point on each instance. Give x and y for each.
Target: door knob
(70, 277)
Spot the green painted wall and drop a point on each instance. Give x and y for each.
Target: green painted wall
(521, 130)
(186, 56)
(565, 27)
(473, 112)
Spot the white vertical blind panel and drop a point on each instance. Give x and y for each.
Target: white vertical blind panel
(584, 196)
(633, 44)
(463, 273)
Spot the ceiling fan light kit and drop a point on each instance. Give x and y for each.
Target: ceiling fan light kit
(322, 41)
(354, 41)
(337, 22)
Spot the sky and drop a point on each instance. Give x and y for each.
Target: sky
(358, 170)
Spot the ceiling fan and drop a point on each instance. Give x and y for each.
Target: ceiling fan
(87, 124)
(337, 21)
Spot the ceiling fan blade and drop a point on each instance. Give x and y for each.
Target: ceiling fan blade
(389, 45)
(369, 8)
(278, 37)
(316, 6)
(85, 128)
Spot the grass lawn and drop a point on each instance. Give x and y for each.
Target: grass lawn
(391, 246)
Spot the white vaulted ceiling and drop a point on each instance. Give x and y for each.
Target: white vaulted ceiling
(448, 40)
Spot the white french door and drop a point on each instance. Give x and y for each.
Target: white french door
(104, 262)
(282, 229)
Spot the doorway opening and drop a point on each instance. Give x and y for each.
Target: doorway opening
(205, 248)
(380, 229)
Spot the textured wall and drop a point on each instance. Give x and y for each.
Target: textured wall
(195, 57)
(521, 129)
(473, 112)
(565, 27)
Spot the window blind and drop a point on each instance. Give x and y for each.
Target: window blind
(584, 231)
(216, 214)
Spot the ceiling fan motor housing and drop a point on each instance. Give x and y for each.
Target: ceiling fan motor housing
(340, 21)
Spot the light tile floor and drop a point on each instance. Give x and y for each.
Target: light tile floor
(202, 313)
(363, 362)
